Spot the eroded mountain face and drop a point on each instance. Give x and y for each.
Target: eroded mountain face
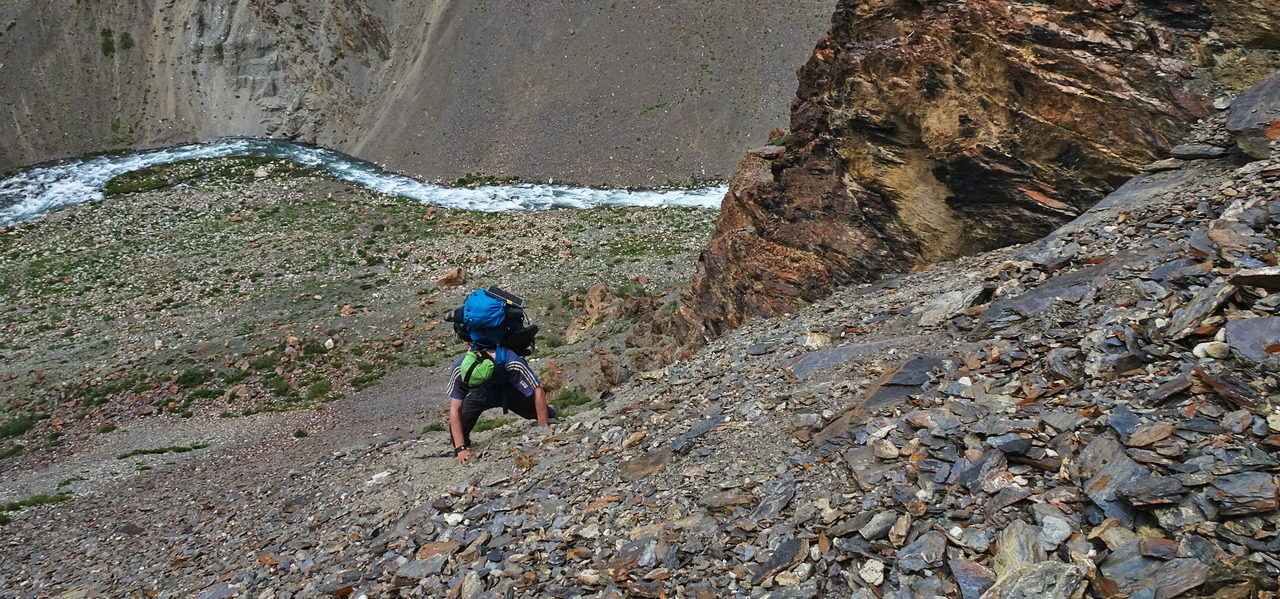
(923, 131)
(570, 90)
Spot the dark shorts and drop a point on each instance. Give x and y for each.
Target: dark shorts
(473, 407)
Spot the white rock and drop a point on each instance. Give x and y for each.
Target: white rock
(328, 343)
(1212, 349)
(872, 572)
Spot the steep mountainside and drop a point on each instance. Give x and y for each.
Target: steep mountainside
(928, 130)
(1090, 415)
(578, 91)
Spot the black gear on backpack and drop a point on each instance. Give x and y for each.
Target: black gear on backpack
(521, 334)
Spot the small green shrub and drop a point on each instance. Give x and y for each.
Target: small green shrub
(235, 376)
(263, 362)
(573, 396)
(10, 451)
(108, 42)
(319, 389)
(20, 424)
(106, 428)
(193, 377)
(200, 394)
(276, 384)
(489, 424)
(299, 434)
(126, 41)
(434, 427)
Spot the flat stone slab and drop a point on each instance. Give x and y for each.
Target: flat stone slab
(814, 362)
(1194, 151)
(1255, 339)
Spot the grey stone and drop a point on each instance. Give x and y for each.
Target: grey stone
(1017, 546)
(1253, 115)
(1267, 278)
(1250, 338)
(927, 551)
(1043, 580)
(879, 525)
(948, 304)
(1245, 493)
(1194, 151)
(973, 578)
(1109, 469)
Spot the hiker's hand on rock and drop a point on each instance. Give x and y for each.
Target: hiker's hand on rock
(463, 456)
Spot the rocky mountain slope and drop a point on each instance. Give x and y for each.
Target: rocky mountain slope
(571, 90)
(1092, 414)
(928, 130)
(236, 286)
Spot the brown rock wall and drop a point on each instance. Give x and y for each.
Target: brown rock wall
(923, 131)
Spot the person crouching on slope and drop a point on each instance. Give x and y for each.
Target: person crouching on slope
(515, 387)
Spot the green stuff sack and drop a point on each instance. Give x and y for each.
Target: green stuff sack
(476, 368)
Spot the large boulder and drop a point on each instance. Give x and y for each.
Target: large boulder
(1254, 118)
(923, 131)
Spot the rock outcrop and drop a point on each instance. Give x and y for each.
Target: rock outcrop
(570, 90)
(923, 131)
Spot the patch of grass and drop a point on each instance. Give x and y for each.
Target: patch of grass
(481, 179)
(571, 397)
(163, 450)
(193, 377)
(20, 424)
(276, 384)
(264, 361)
(434, 427)
(126, 41)
(299, 434)
(235, 376)
(106, 428)
(488, 424)
(69, 481)
(365, 381)
(33, 501)
(200, 394)
(108, 44)
(10, 451)
(319, 389)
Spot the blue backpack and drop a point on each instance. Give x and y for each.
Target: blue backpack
(485, 317)
(492, 318)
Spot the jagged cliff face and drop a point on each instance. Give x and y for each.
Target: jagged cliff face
(580, 91)
(927, 130)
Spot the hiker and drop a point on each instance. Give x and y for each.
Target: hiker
(516, 389)
(493, 373)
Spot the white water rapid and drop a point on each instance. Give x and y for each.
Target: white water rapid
(45, 188)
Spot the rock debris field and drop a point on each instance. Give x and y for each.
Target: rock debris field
(1091, 414)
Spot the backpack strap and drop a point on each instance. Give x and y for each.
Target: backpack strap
(500, 366)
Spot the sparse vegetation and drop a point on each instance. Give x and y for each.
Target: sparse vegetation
(488, 424)
(434, 427)
(108, 44)
(32, 501)
(163, 450)
(481, 179)
(20, 424)
(299, 434)
(106, 428)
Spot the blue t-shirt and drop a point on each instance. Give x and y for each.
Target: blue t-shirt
(519, 377)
